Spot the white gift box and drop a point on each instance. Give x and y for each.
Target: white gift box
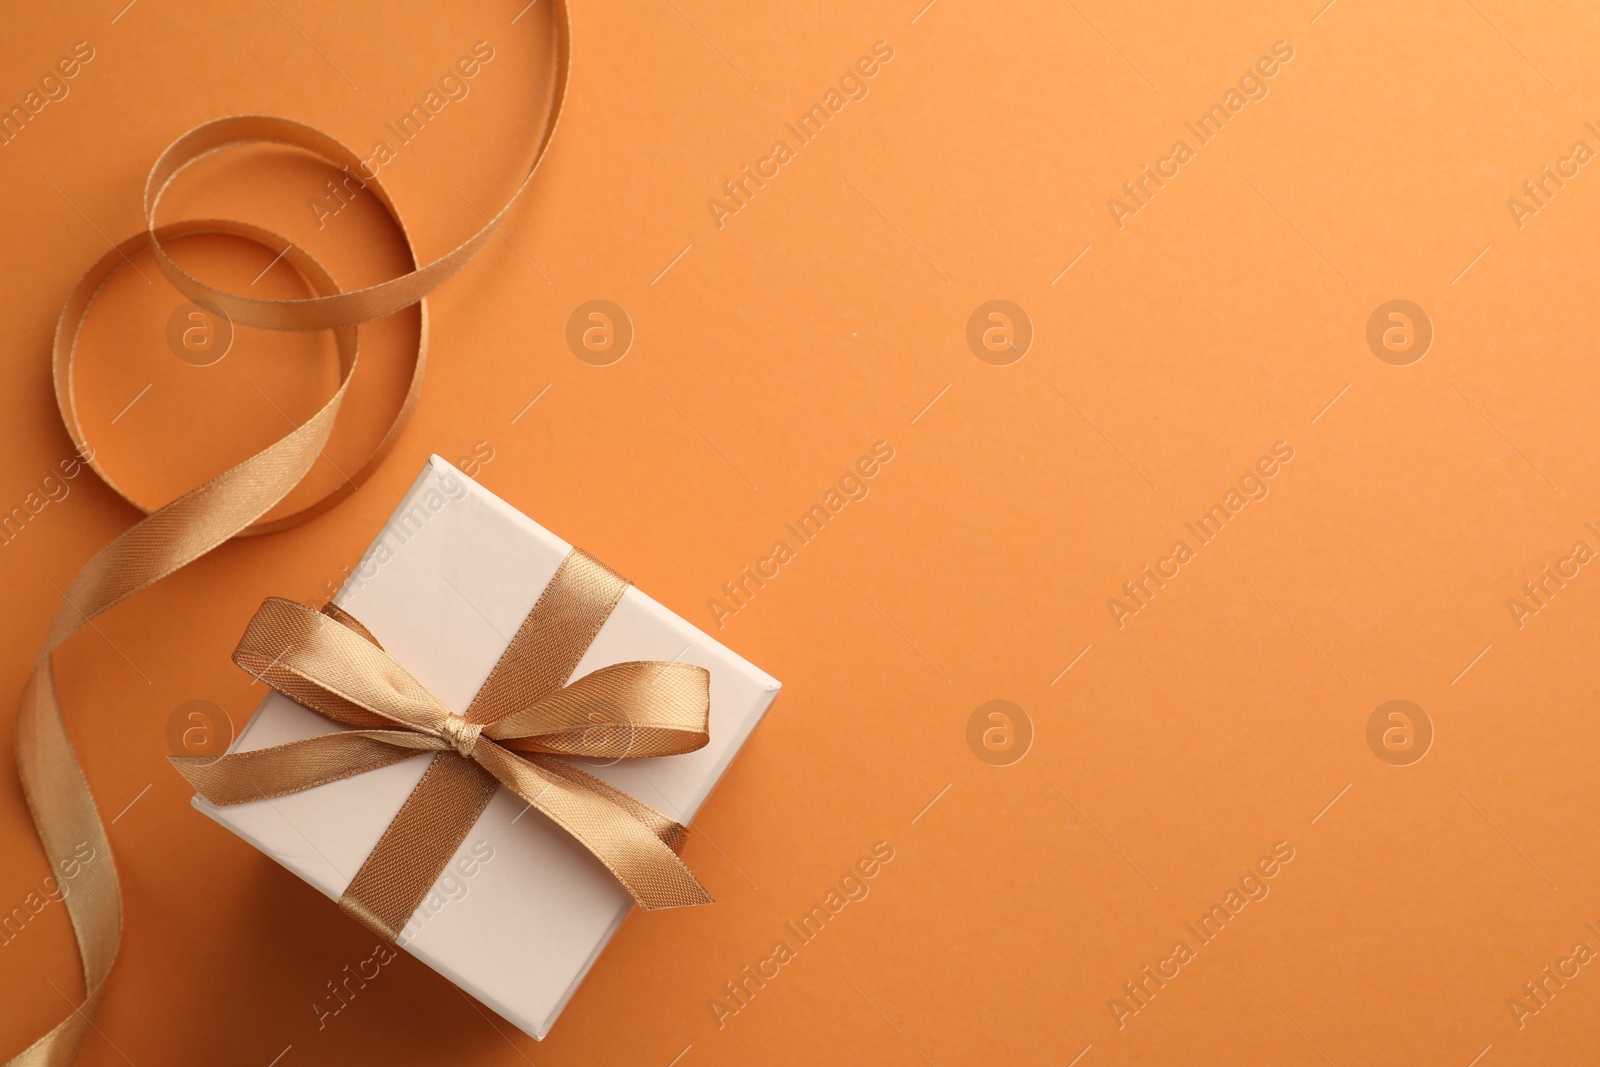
(522, 911)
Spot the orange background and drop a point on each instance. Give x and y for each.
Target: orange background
(825, 316)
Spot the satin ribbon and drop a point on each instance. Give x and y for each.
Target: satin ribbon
(514, 733)
(231, 504)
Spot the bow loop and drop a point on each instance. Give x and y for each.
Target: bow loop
(317, 660)
(628, 710)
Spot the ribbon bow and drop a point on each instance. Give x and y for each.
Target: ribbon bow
(514, 733)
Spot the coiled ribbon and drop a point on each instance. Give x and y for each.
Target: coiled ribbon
(229, 505)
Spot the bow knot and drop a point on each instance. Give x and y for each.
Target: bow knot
(461, 734)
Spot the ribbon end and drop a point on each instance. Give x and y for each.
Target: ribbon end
(685, 897)
(196, 768)
(185, 765)
(364, 914)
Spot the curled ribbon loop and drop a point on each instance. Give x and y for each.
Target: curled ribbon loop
(510, 735)
(234, 503)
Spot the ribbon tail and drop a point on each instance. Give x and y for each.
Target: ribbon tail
(273, 772)
(669, 832)
(68, 822)
(628, 836)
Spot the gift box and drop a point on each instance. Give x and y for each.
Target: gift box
(522, 910)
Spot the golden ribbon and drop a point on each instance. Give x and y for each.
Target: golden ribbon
(514, 733)
(231, 504)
